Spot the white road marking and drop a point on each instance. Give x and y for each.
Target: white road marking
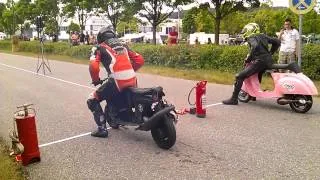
(50, 77)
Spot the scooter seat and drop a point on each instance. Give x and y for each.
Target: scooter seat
(292, 67)
(146, 91)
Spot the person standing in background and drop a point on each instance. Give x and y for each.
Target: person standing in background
(91, 38)
(86, 38)
(289, 38)
(173, 36)
(82, 37)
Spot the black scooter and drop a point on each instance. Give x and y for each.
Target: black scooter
(145, 108)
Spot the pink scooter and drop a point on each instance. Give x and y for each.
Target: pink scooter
(294, 88)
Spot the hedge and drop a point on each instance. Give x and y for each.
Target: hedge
(5, 45)
(222, 58)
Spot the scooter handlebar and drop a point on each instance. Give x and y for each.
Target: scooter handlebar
(24, 106)
(100, 81)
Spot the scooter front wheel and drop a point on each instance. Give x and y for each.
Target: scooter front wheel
(244, 97)
(303, 105)
(165, 133)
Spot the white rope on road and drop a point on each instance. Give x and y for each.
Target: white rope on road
(66, 139)
(211, 105)
(62, 140)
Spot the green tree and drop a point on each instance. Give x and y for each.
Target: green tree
(128, 26)
(152, 10)
(8, 20)
(189, 22)
(311, 23)
(117, 10)
(52, 27)
(50, 12)
(266, 21)
(24, 11)
(2, 9)
(79, 8)
(73, 27)
(271, 20)
(222, 8)
(204, 21)
(234, 22)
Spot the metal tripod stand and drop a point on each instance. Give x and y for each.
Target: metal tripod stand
(41, 57)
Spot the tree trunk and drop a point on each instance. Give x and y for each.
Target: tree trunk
(154, 32)
(114, 24)
(218, 20)
(82, 23)
(114, 27)
(217, 31)
(79, 16)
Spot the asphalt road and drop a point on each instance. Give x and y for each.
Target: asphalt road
(258, 140)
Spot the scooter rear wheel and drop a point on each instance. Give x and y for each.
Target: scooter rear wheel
(303, 106)
(244, 97)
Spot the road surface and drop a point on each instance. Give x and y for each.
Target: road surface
(258, 140)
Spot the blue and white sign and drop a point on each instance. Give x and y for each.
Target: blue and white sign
(301, 6)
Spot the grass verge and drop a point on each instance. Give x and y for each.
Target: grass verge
(9, 169)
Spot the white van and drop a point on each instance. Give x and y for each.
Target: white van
(2, 36)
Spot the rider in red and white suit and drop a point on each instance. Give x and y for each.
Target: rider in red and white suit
(121, 63)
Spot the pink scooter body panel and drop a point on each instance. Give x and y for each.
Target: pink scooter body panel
(285, 83)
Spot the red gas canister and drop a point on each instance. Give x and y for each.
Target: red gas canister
(201, 99)
(27, 134)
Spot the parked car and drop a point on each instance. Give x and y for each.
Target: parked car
(23, 37)
(2, 36)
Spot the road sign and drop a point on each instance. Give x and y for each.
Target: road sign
(301, 6)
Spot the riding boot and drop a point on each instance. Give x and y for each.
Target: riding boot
(100, 132)
(101, 123)
(112, 118)
(234, 98)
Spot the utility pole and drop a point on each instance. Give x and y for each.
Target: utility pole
(13, 26)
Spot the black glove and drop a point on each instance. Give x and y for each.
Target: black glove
(95, 83)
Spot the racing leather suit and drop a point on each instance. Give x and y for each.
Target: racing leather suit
(120, 63)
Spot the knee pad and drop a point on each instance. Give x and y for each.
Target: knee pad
(239, 77)
(93, 104)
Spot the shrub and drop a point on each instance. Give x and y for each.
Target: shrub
(211, 57)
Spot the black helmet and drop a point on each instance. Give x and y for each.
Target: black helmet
(105, 34)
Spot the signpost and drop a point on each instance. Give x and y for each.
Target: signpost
(301, 7)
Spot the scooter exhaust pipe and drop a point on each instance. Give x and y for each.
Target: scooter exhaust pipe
(283, 101)
(153, 121)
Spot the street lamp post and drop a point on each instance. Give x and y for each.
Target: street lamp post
(178, 23)
(13, 26)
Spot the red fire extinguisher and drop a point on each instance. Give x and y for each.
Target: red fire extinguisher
(201, 99)
(27, 135)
